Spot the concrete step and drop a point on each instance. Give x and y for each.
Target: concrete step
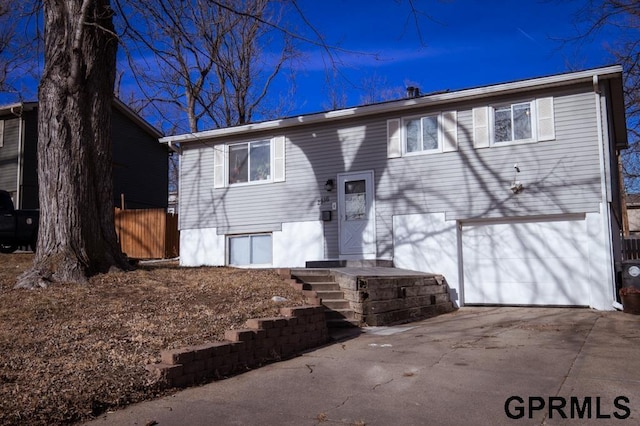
(308, 274)
(325, 286)
(336, 303)
(322, 283)
(338, 314)
(330, 294)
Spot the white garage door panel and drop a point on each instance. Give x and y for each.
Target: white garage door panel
(528, 263)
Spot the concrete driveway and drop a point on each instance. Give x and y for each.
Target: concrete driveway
(481, 366)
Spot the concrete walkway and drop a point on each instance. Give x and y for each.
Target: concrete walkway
(455, 369)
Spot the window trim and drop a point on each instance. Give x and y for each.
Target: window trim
(249, 182)
(248, 265)
(420, 117)
(533, 121)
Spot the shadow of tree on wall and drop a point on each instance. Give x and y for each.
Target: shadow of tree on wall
(468, 186)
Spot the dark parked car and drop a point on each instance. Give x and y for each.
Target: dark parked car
(17, 227)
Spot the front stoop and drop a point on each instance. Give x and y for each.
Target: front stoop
(372, 294)
(338, 312)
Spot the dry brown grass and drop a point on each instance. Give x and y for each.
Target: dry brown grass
(70, 352)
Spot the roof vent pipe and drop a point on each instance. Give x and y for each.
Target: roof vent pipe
(413, 92)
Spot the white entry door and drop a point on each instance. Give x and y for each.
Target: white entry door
(356, 215)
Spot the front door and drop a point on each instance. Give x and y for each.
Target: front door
(356, 215)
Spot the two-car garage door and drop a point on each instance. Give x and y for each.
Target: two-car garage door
(526, 263)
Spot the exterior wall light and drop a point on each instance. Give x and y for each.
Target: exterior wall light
(516, 186)
(329, 185)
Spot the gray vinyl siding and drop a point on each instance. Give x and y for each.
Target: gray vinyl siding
(559, 176)
(9, 155)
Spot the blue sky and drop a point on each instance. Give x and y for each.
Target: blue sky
(460, 44)
(466, 44)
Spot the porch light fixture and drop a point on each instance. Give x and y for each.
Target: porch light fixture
(329, 185)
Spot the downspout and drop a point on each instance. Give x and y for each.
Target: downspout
(603, 153)
(174, 147)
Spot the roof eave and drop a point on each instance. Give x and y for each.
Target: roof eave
(401, 105)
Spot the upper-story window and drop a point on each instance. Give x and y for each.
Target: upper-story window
(513, 122)
(245, 163)
(518, 122)
(250, 162)
(421, 134)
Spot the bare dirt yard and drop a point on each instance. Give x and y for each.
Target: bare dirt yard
(69, 353)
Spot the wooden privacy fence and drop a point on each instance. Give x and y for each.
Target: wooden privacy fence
(630, 248)
(148, 233)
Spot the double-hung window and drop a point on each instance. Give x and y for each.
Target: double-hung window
(513, 123)
(250, 162)
(424, 134)
(421, 134)
(254, 162)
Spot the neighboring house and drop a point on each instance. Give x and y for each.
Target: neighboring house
(140, 164)
(510, 190)
(633, 214)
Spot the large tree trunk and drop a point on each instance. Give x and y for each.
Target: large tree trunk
(77, 235)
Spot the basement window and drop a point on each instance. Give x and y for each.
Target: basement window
(254, 249)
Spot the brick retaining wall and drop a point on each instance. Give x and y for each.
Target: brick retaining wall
(263, 340)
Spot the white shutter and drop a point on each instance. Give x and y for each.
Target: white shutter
(449, 131)
(394, 141)
(219, 180)
(278, 158)
(546, 124)
(481, 127)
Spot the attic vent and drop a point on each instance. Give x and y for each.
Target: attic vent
(413, 92)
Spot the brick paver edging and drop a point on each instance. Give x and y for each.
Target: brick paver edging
(263, 340)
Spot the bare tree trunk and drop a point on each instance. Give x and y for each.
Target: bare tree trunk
(77, 235)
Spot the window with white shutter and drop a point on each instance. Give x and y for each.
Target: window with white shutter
(518, 122)
(424, 134)
(394, 141)
(245, 163)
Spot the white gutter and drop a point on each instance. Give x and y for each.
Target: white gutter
(396, 106)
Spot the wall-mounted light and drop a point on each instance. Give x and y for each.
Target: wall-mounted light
(329, 185)
(516, 186)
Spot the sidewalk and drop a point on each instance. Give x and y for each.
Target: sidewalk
(473, 366)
